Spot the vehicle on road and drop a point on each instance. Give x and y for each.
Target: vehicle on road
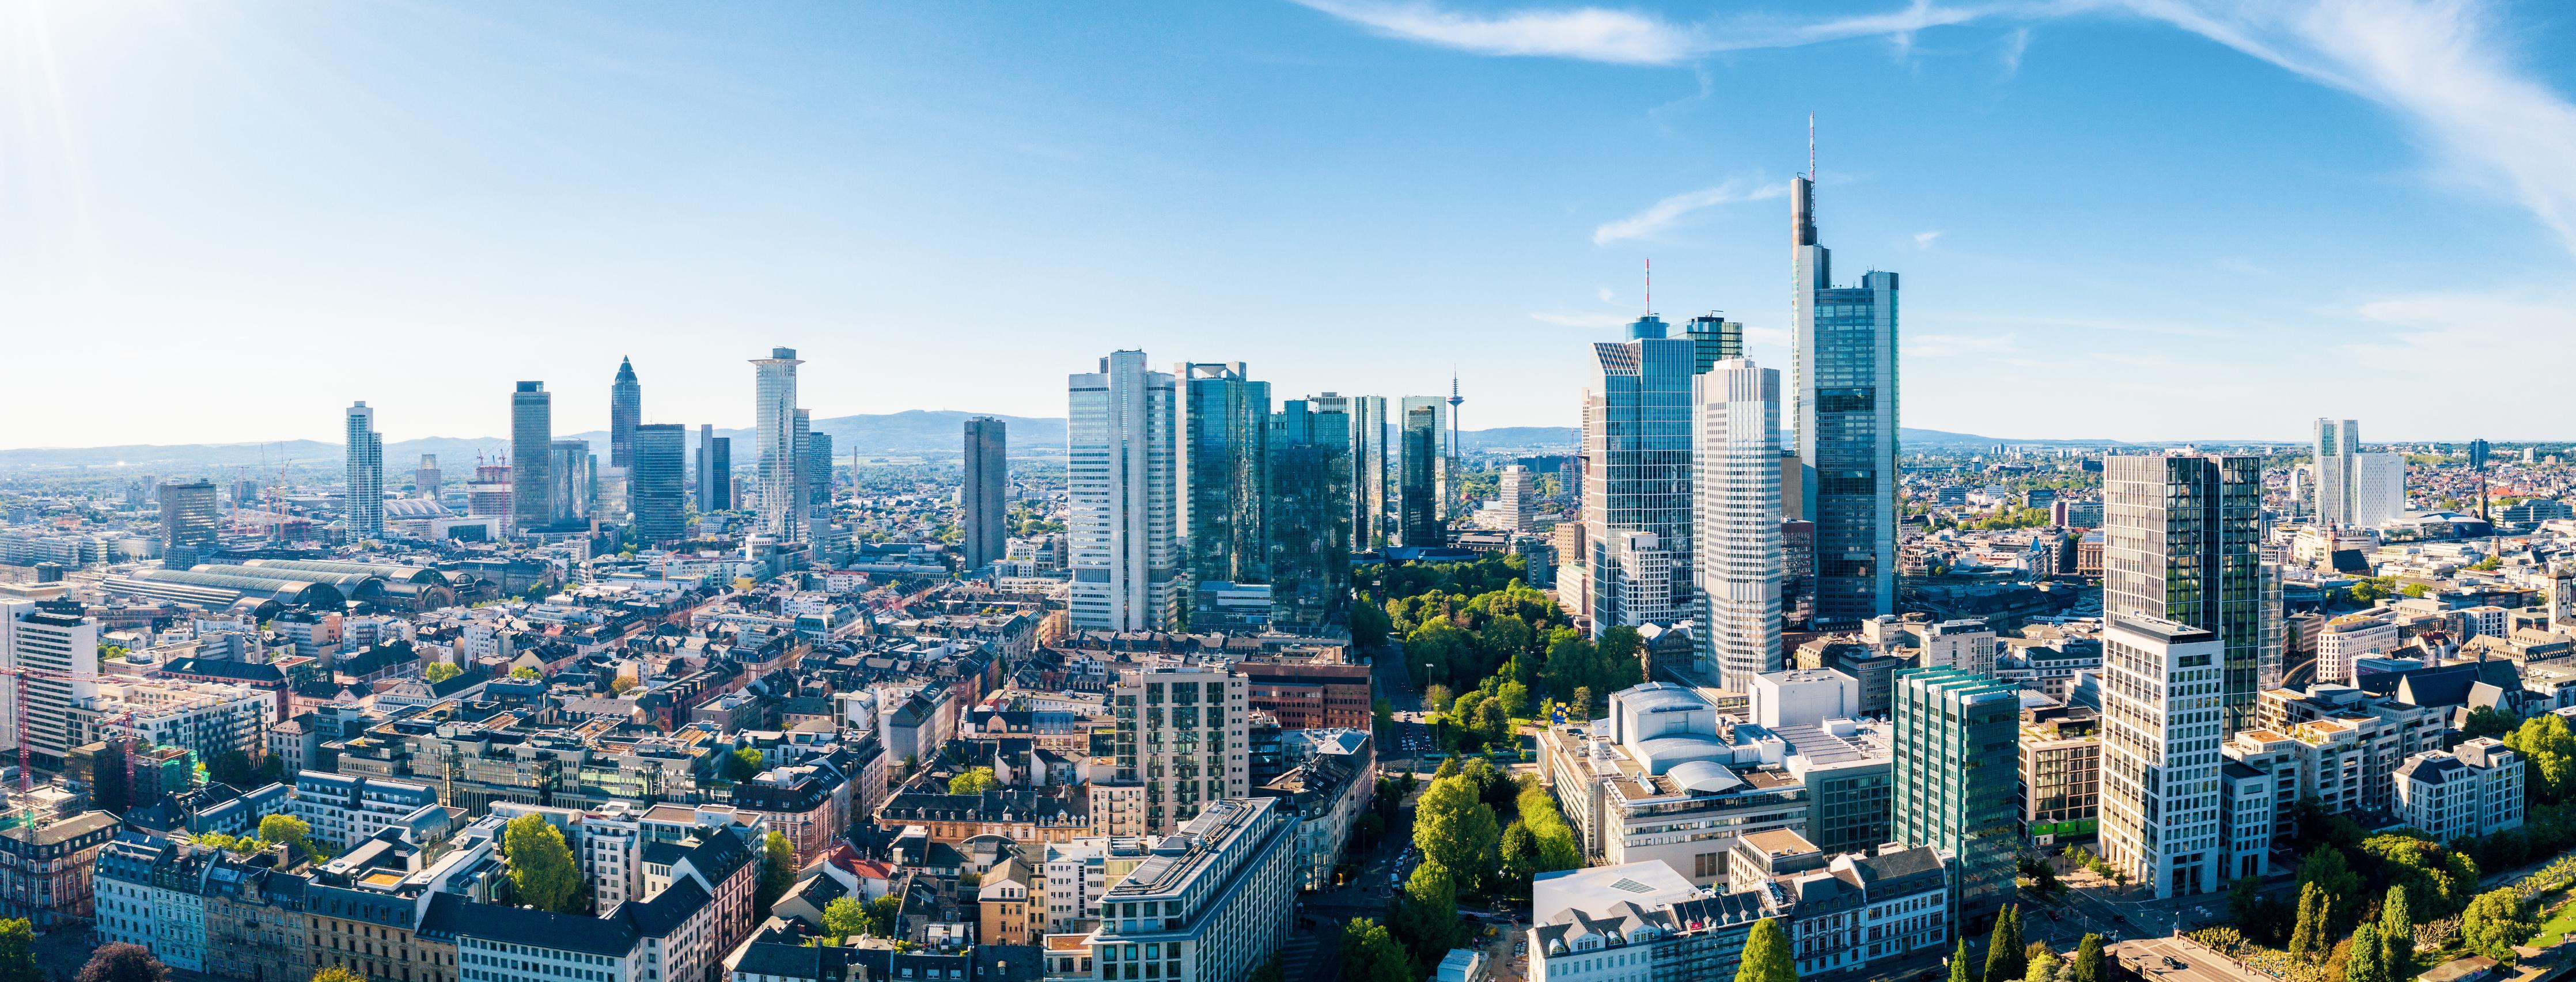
(2173, 962)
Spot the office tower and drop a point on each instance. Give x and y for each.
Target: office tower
(1637, 468)
(366, 450)
(53, 639)
(1183, 732)
(425, 479)
(984, 503)
(2182, 540)
(1368, 463)
(1211, 905)
(2162, 724)
(1124, 489)
(1957, 787)
(782, 494)
(1713, 339)
(1737, 519)
(189, 522)
(1309, 514)
(657, 489)
(1224, 473)
(1422, 471)
(715, 470)
(2355, 489)
(818, 465)
(569, 495)
(491, 493)
(532, 450)
(625, 412)
(1842, 343)
(1512, 497)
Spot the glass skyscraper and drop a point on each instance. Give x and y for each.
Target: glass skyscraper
(715, 470)
(657, 485)
(1737, 519)
(1368, 463)
(1422, 466)
(1310, 514)
(625, 412)
(532, 451)
(1958, 779)
(189, 522)
(1842, 343)
(1224, 471)
(1714, 339)
(2182, 541)
(1637, 472)
(782, 464)
(1123, 529)
(366, 475)
(983, 503)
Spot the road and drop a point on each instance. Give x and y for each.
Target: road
(1410, 737)
(2148, 958)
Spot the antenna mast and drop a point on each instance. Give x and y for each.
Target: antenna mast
(1811, 148)
(1650, 287)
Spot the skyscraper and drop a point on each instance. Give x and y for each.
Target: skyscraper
(55, 639)
(625, 411)
(189, 522)
(818, 465)
(1958, 778)
(1177, 733)
(1368, 463)
(1713, 339)
(983, 503)
(715, 470)
(2356, 489)
(425, 481)
(1310, 514)
(782, 492)
(569, 495)
(2161, 730)
(1124, 530)
(2182, 541)
(532, 450)
(366, 451)
(1637, 473)
(1422, 471)
(1224, 470)
(1737, 519)
(1842, 344)
(657, 484)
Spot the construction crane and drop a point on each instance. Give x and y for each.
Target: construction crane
(26, 772)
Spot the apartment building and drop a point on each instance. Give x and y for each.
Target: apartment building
(1185, 735)
(2474, 789)
(1207, 904)
(2061, 773)
(344, 809)
(1635, 922)
(1847, 911)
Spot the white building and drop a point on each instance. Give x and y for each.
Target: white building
(344, 809)
(2356, 489)
(1639, 590)
(1511, 507)
(2249, 806)
(1209, 904)
(1968, 643)
(210, 718)
(61, 645)
(1736, 515)
(1124, 530)
(782, 484)
(1636, 922)
(1664, 778)
(2161, 723)
(2475, 789)
(1184, 733)
(2351, 637)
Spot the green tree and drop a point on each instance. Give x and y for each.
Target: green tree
(975, 780)
(1425, 918)
(2396, 935)
(777, 873)
(1455, 829)
(2364, 964)
(2307, 938)
(2004, 957)
(1767, 955)
(287, 829)
(885, 914)
(122, 962)
(2495, 922)
(844, 917)
(18, 951)
(1514, 697)
(440, 671)
(1370, 954)
(2087, 963)
(2548, 749)
(1520, 852)
(1961, 970)
(744, 764)
(335, 973)
(1383, 713)
(1581, 700)
(2042, 961)
(2487, 721)
(2332, 873)
(524, 673)
(1369, 626)
(541, 865)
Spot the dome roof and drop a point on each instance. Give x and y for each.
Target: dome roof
(1702, 777)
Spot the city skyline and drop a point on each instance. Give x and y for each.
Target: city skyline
(482, 219)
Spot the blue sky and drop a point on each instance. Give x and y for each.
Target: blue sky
(2143, 219)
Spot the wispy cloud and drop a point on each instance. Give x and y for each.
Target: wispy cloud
(1579, 320)
(1923, 240)
(2438, 64)
(2015, 44)
(1663, 214)
(1946, 345)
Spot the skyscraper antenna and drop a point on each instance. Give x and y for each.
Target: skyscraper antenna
(1811, 148)
(1650, 287)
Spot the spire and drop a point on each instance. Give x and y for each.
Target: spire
(625, 369)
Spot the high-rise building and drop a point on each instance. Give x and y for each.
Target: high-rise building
(2182, 540)
(491, 493)
(715, 470)
(569, 494)
(984, 501)
(1309, 514)
(425, 479)
(1713, 339)
(1422, 471)
(1637, 469)
(1512, 498)
(782, 466)
(1368, 464)
(625, 412)
(2162, 724)
(2355, 489)
(532, 451)
(657, 488)
(818, 464)
(366, 451)
(1842, 344)
(1224, 470)
(1957, 783)
(1124, 488)
(1185, 733)
(1737, 519)
(189, 522)
(55, 640)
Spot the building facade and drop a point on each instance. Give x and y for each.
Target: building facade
(1737, 519)
(1637, 473)
(1185, 734)
(1956, 781)
(532, 451)
(1209, 904)
(1843, 354)
(2163, 720)
(2183, 537)
(983, 502)
(782, 455)
(1124, 531)
(366, 454)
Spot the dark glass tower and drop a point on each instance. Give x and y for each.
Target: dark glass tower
(2182, 541)
(715, 470)
(1225, 425)
(1843, 352)
(625, 412)
(984, 501)
(532, 448)
(1417, 483)
(1310, 514)
(657, 487)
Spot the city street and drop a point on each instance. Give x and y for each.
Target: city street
(2149, 958)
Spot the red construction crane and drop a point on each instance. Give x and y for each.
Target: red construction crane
(27, 773)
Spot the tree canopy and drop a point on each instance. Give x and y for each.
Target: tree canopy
(975, 780)
(542, 869)
(1767, 955)
(121, 962)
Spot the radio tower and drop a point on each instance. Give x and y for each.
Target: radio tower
(1451, 464)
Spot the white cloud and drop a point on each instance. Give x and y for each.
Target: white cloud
(1663, 214)
(2015, 44)
(2437, 64)
(1947, 345)
(1923, 240)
